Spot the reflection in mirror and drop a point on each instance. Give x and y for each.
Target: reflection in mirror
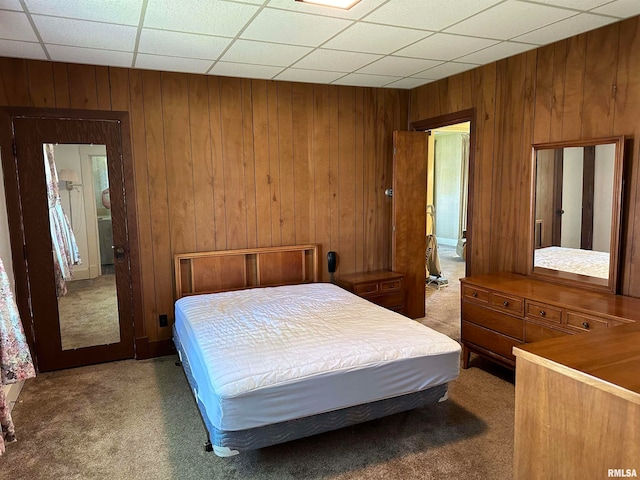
(576, 211)
(86, 285)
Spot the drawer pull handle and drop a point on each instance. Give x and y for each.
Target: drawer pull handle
(505, 303)
(542, 313)
(585, 325)
(474, 294)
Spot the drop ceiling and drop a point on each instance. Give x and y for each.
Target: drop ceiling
(377, 43)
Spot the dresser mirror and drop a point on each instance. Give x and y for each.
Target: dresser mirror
(577, 190)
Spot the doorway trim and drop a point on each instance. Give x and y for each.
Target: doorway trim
(16, 215)
(468, 115)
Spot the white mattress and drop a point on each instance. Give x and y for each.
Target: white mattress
(268, 355)
(573, 260)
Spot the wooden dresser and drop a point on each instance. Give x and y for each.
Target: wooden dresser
(503, 310)
(577, 412)
(381, 287)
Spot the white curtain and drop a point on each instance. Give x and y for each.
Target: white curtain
(464, 183)
(65, 249)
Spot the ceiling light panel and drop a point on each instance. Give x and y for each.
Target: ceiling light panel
(354, 13)
(569, 27)
(281, 26)
(337, 60)
(510, 19)
(432, 15)
(398, 66)
(11, 48)
(60, 53)
(178, 44)
(443, 46)
(224, 19)
(125, 12)
(80, 33)
(171, 64)
(244, 70)
(16, 26)
(371, 38)
(258, 53)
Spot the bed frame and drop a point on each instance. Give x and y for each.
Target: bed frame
(212, 272)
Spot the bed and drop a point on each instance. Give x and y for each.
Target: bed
(274, 355)
(573, 260)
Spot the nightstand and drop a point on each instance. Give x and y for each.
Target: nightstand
(381, 287)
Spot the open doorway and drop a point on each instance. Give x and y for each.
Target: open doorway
(447, 199)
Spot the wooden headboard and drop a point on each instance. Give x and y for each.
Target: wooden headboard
(223, 270)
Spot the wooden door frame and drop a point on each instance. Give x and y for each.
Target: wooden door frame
(468, 115)
(15, 214)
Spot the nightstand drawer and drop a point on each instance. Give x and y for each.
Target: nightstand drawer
(389, 300)
(366, 288)
(544, 313)
(390, 285)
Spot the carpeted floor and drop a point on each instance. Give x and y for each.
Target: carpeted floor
(137, 419)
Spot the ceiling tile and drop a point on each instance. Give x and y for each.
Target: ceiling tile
(336, 60)
(227, 69)
(407, 83)
(370, 38)
(257, 53)
(354, 13)
(398, 66)
(178, 44)
(310, 76)
(60, 53)
(172, 64)
(11, 48)
(620, 8)
(126, 12)
(565, 28)
(80, 33)
(445, 70)
(496, 52)
(435, 15)
(583, 5)
(282, 26)
(224, 19)
(16, 26)
(443, 46)
(11, 5)
(364, 80)
(509, 19)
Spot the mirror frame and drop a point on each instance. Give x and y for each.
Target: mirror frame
(559, 276)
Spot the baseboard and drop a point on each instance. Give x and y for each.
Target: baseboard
(161, 348)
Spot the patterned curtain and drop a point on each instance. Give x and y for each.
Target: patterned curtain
(15, 359)
(65, 249)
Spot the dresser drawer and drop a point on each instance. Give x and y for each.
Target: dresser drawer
(489, 340)
(475, 294)
(543, 313)
(507, 303)
(389, 300)
(366, 288)
(488, 318)
(390, 285)
(534, 332)
(584, 323)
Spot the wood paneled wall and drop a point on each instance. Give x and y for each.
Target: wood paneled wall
(583, 87)
(223, 163)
